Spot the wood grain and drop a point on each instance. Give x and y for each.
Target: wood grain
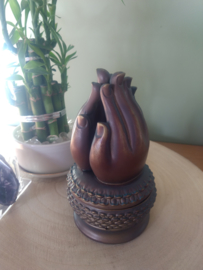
(194, 153)
(39, 233)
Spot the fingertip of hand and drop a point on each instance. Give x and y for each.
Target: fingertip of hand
(81, 122)
(102, 75)
(96, 87)
(114, 77)
(127, 81)
(96, 84)
(107, 90)
(120, 78)
(99, 130)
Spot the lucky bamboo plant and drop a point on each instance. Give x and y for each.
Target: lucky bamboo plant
(37, 93)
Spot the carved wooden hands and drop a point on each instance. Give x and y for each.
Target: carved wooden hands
(110, 135)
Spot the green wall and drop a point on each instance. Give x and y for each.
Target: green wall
(157, 42)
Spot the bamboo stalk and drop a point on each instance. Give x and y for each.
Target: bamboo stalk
(47, 32)
(63, 106)
(49, 108)
(21, 101)
(40, 95)
(64, 88)
(64, 80)
(36, 79)
(29, 105)
(52, 11)
(64, 117)
(38, 109)
(46, 92)
(34, 20)
(56, 97)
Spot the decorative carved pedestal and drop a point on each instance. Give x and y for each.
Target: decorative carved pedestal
(107, 213)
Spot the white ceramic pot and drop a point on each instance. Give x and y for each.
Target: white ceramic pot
(43, 159)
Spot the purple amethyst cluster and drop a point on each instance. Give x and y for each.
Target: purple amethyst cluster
(9, 183)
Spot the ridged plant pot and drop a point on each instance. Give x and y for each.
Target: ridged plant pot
(43, 159)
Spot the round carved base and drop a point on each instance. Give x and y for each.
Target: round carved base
(108, 236)
(107, 213)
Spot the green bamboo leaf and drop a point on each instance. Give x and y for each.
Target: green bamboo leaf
(52, 10)
(32, 30)
(58, 55)
(39, 2)
(33, 64)
(13, 65)
(53, 55)
(22, 49)
(15, 77)
(20, 30)
(10, 23)
(38, 27)
(56, 37)
(15, 37)
(70, 47)
(6, 3)
(12, 32)
(21, 54)
(27, 11)
(70, 57)
(54, 58)
(58, 31)
(41, 34)
(64, 48)
(24, 4)
(37, 51)
(15, 7)
(55, 62)
(39, 70)
(44, 47)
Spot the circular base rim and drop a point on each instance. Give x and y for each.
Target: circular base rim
(111, 237)
(44, 175)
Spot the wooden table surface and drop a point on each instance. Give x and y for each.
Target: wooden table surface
(193, 153)
(39, 233)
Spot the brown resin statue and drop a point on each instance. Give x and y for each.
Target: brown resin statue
(110, 144)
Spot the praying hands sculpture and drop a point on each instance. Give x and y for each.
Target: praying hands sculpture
(110, 135)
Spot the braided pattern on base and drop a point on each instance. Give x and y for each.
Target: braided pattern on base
(133, 193)
(111, 220)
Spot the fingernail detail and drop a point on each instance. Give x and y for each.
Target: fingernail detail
(120, 79)
(127, 81)
(81, 121)
(106, 89)
(102, 75)
(100, 130)
(114, 77)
